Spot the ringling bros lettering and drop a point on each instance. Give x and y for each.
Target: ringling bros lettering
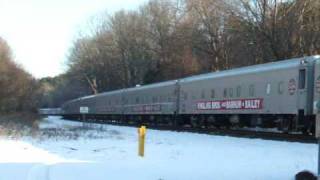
(231, 104)
(147, 108)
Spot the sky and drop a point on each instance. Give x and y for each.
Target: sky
(40, 32)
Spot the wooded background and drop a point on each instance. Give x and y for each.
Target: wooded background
(19, 91)
(164, 40)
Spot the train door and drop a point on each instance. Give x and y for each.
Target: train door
(302, 98)
(177, 97)
(305, 92)
(316, 88)
(316, 95)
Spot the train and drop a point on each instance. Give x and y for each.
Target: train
(282, 95)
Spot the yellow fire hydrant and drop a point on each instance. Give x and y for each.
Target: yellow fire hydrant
(142, 135)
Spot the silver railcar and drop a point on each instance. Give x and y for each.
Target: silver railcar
(284, 94)
(279, 92)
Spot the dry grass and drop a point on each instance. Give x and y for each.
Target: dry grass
(15, 125)
(76, 132)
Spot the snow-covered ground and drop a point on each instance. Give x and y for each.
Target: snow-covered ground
(66, 150)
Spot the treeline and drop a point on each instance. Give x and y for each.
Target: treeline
(19, 91)
(164, 40)
(59, 89)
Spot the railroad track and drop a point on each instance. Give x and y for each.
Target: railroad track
(248, 134)
(225, 132)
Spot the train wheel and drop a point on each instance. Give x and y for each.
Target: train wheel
(193, 122)
(284, 125)
(305, 131)
(210, 121)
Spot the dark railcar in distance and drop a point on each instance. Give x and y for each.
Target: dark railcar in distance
(50, 111)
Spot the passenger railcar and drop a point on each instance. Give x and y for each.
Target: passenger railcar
(266, 95)
(282, 94)
(155, 102)
(108, 103)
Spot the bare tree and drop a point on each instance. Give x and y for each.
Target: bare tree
(168, 39)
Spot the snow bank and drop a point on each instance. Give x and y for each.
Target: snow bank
(168, 156)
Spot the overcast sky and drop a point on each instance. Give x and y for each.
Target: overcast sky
(40, 32)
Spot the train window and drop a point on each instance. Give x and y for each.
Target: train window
(231, 92)
(137, 100)
(203, 95)
(225, 92)
(251, 90)
(183, 108)
(154, 99)
(302, 78)
(193, 95)
(268, 88)
(212, 93)
(238, 91)
(185, 96)
(281, 87)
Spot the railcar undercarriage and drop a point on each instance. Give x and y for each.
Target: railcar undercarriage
(286, 123)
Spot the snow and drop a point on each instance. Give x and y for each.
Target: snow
(77, 151)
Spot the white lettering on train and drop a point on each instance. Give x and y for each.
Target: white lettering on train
(230, 104)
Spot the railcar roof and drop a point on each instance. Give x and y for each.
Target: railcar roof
(154, 85)
(284, 64)
(96, 95)
(104, 93)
